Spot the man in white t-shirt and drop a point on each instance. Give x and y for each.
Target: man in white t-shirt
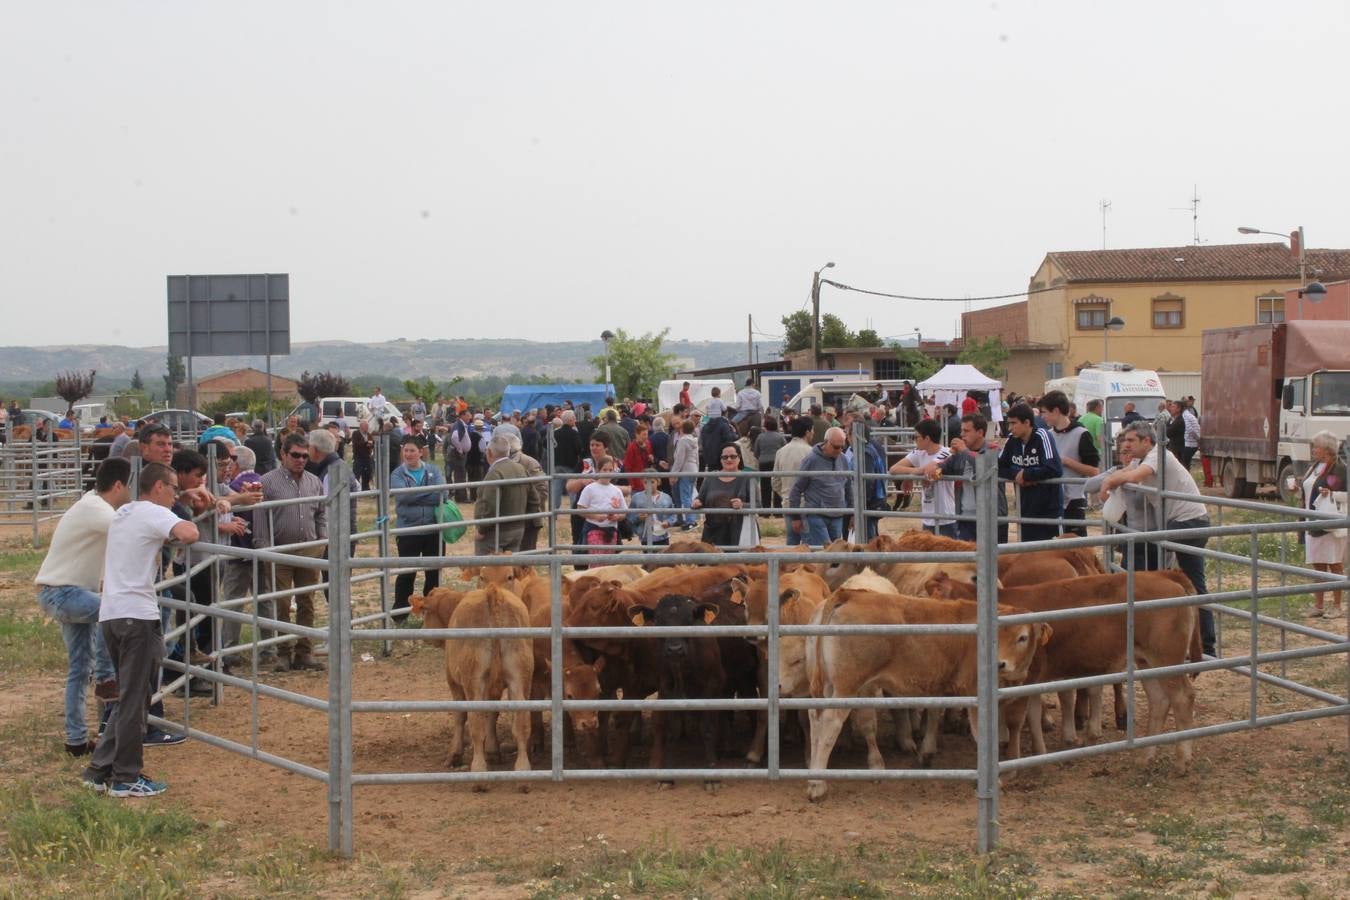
(939, 497)
(1138, 443)
(749, 402)
(68, 585)
(129, 617)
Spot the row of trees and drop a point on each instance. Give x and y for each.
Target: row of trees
(988, 355)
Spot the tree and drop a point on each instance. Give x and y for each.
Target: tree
(424, 390)
(174, 375)
(73, 387)
(322, 384)
(834, 333)
(636, 363)
(868, 337)
(137, 384)
(913, 364)
(988, 355)
(796, 331)
(253, 401)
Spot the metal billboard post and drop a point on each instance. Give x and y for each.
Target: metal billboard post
(339, 662)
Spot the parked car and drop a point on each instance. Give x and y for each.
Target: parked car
(179, 421)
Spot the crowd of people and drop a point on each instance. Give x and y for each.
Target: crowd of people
(629, 473)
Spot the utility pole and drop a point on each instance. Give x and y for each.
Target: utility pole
(750, 341)
(815, 315)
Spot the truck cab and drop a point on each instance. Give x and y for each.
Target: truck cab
(1319, 401)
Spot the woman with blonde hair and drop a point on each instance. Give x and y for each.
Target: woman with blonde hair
(1323, 485)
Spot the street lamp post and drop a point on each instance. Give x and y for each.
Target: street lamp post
(1115, 323)
(606, 336)
(1315, 291)
(815, 315)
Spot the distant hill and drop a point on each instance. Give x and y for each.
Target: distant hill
(439, 359)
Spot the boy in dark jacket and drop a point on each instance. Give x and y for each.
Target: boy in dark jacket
(1029, 458)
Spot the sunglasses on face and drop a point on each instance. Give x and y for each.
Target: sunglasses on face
(293, 455)
(731, 456)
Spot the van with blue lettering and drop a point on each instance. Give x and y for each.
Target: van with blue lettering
(1117, 384)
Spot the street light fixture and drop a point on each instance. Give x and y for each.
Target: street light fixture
(1115, 323)
(815, 314)
(1315, 291)
(606, 336)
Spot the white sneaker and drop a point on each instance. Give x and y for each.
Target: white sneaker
(320, 650)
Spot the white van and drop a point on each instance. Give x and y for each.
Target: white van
(837, 393)
(1116, 384)
(346, 411)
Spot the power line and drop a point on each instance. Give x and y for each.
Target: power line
(849, 287)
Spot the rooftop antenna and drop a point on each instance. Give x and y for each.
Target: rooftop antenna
(1194, 208)
(1106, 208)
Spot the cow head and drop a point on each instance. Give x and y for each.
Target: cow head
(836, 574)
(436, 608)
(602, 604)
(943, 587)
(581, 681)
(678, 611)
(508, 578)
(1017, 646)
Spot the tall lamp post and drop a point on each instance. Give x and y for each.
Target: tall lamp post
(815, 314)
(1315, 291)
(1115, 323)
(606, 336)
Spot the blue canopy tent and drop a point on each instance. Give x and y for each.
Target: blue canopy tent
(525, 397)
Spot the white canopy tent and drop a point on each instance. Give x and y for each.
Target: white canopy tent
(951, 382)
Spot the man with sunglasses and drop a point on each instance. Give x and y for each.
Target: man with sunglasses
(832, 488)
(296, 523)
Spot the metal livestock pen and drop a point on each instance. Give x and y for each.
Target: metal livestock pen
(341, 569)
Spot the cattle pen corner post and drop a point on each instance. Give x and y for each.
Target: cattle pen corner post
(339, 662)
(986, 541)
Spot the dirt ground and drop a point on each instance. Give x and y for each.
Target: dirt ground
(1260, 813)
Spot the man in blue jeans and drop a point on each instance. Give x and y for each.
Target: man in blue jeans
(68, 585)
(828, 486)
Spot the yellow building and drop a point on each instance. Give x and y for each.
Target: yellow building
(1167, 296)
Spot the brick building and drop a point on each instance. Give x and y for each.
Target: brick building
(213, 387)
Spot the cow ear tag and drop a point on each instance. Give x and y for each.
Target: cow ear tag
(709, 615)
(637, 619)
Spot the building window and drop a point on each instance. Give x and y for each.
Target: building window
(1054, 370)
(1270, 310)
(1169, 311)
(886, 368)
(1091, 316)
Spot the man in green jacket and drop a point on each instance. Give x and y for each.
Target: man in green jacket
(501, 500)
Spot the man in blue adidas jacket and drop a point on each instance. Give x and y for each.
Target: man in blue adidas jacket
(1028, 459)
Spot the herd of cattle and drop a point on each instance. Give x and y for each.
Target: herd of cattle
(853, 665)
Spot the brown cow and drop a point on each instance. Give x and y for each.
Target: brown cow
(581, 681)
(1013, 568)
(1096, 646)
(682, 546)
(482, 668)
(622, 573)
(908, 577)
(902, 665)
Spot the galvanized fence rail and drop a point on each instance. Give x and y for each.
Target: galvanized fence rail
(341, 569)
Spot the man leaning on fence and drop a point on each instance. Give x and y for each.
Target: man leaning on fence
(130, 619)
(294, 523)
(1138, 443)
(68, 585)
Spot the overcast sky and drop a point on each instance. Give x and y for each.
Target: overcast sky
(548, 170)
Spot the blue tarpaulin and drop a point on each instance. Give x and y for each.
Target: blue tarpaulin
(525, 397)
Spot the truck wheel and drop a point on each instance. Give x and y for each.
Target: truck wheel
(1294, 497)
(1234, 486)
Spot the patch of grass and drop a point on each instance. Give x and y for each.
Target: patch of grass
(1186, 834)
(123, 849)
(280, 874)
(29, 644)
(23, 562)
(783, 872)
(1292, 838)
(1273, 866)
(1156, 872)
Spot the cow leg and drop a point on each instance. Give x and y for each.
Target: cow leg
(1037, 724)
(478, 726)
(1158, 705)
(1066, 717)
(1014, 717)
(657, 760)
(520, 729)
(825, 727)
(1081, 702)
(904, 731)
(709, 726)
(932, 723)
(1094, 717)
(491, 745)
(1045, 703)
(1182, 692)
(759, 744)
(456, 748)
(865, 724)
(1122, 720)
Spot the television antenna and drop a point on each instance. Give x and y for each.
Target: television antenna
(1194, 209)
(1106, 208)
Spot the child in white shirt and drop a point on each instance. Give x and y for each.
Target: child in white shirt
(602, 505)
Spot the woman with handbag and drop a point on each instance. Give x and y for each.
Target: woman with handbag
(1323, 487)
(415, 508)
(723, 491)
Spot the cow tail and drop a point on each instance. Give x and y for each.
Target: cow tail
(817, 671)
